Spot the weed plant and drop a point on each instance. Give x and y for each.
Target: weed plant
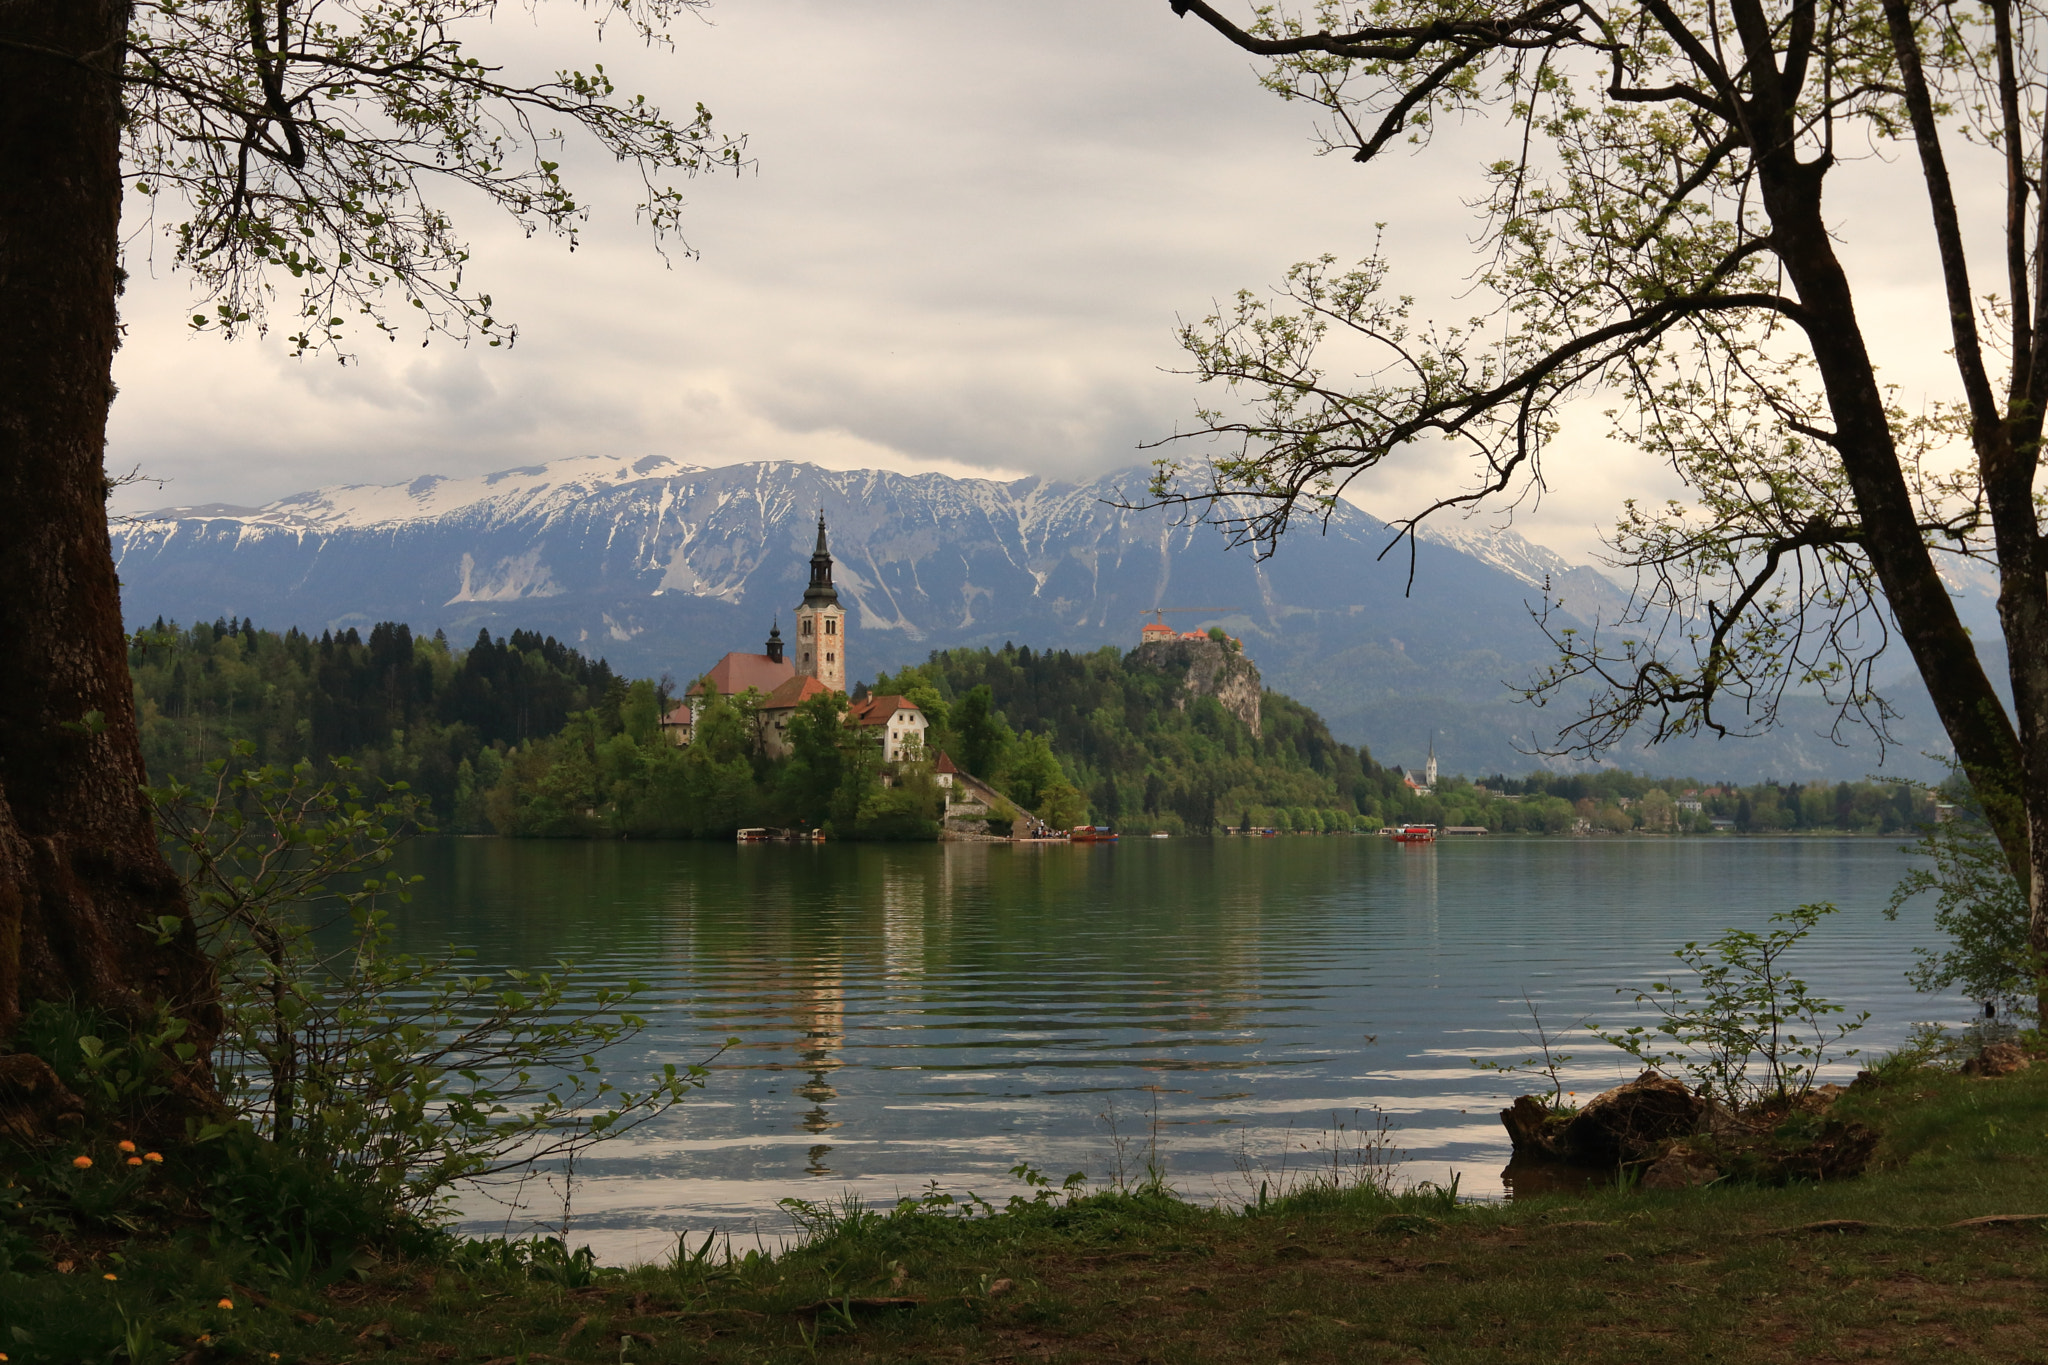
(1754, 1035)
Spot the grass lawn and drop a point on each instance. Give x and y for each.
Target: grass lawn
(1870, 1269)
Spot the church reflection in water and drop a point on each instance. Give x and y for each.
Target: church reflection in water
(821, 1013)
(818, 1005)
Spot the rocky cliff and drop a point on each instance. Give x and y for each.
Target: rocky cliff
(1209, 668)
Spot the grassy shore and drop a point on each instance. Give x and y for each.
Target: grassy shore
(1886, 1267)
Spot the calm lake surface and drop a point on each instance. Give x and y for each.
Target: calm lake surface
(942, 1012)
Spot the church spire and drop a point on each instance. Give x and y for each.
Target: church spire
(821, 592)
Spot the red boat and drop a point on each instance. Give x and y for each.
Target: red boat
(1415, 834)
(1092, 834)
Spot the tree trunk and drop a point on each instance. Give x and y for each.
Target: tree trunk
(83, 884)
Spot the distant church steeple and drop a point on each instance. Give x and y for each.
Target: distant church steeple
(820, 623)
(1429, 769)
(821, 592)
(775, 641)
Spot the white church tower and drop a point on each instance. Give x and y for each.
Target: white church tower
(1429, 769)
(821, 623)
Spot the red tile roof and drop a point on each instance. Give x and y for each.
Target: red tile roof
(946, 764)
(735, 673)
(794, 693)
(878, 710)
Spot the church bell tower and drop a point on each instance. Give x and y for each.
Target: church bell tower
(821, 623)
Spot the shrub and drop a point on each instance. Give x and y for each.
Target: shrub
(1755, 1034)
(400, 1073)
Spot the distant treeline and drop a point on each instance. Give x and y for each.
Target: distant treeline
(519, 735)
(525, 735)
(403, 708)
(1619, 802)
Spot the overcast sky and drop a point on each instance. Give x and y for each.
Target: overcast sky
(968, 233)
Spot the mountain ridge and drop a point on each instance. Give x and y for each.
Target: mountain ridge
(663, 566)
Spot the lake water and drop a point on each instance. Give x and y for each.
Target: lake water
(924, 1013)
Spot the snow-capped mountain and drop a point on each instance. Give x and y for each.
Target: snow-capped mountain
(662, 567)
(1583, 589)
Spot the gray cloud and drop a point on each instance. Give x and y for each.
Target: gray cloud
(969, 234)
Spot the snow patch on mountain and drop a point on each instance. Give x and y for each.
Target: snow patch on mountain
(664, 565)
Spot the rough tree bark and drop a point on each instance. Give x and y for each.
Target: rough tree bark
(82, 880)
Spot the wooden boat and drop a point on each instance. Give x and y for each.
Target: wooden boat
(1415, 834)
(755, 836)
(1092, 834)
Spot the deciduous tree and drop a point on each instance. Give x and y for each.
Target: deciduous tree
(280, 145)
(1658, 238)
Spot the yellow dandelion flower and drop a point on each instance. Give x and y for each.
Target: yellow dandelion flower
(126, 1145)
(134, 1161)
(108, 1277)
(81, 1162)
(225, 1303)
(153, 1156)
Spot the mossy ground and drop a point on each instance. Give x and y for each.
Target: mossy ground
(1726, 1274)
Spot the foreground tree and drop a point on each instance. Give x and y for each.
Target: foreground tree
(1657, 238)
(283, 137)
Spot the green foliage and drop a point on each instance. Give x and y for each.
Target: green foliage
(405, 709)
(258, 1200)
(525, 736)
(402, 1073)
(1978, 905)
(119, 1072)
(547, 1259)
(985, 740)
(301, 142)
(594, 779)
(1754, 1034)
(1104, 736)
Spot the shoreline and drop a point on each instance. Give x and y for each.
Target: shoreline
(1940, 1252)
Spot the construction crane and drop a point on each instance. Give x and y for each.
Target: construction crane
(1158, 614)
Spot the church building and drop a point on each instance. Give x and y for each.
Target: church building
(821, 623)
(785, 683)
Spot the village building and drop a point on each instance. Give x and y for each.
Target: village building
(783, 683)
(820, 657)
(1154, 631)
(1427, 786)
(896, 722)
(779, 707)
(765, 673)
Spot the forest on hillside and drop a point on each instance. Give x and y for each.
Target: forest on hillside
(522, 734)
(1144, 752)
(404, 708)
